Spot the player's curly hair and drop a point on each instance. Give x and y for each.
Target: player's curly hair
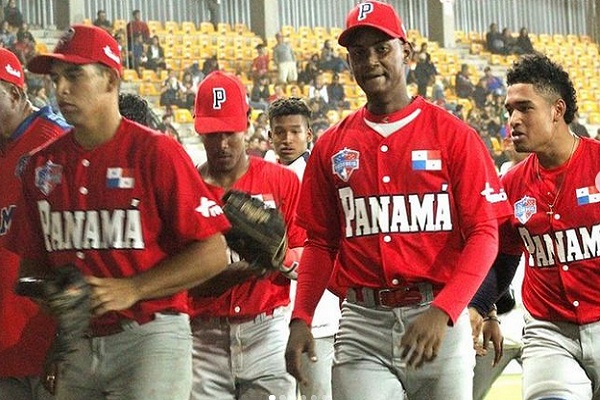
(289, 106)
(134, 107)
(547, 77)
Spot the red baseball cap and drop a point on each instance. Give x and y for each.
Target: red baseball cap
(374, 14)
(221, 104)
(81, 44)
(11, 70)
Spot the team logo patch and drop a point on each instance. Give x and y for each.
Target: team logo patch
(209, 208)
(426, 160)
(587, 195)
(525, 209)
(48, 176)
(21, 164)
(120, 178)
(344, 163)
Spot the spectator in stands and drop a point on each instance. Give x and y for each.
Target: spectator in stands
(187, 95)
(318, 88)
(210, 64)
(137, 27)
(137, 55)
(120, 38)
(278, 92)
(464, 86)
(38, 97)
(285, 60)
(196, 72)
(336, 93)
(597, 134)
(7, 38)
(260, 93)
(260, 64)
(102, 22)
(494, 42)
(24, 49)
(170, 91)
(578, 128)
(510, 43)
(480, 93)
(256, 145)
(24, 32)
(424, 74)
(318, 121)
(155, 55)
(493, 83)
(13, 15)
(214, 9)
(524, 42)
(329, 61)
(311, 69)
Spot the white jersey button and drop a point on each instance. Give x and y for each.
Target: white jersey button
(237, 309)
(576, 303)
(384, 148)
(556, 216)
(395, 281)
(565, 267)
(386, 179)
(85, 163)
(83, 190)
(387, 238)
(80, 255)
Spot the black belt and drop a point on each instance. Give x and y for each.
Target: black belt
(409, 295)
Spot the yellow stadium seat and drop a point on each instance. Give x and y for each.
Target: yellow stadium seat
(86, 21)
(183, 116)
(334, 32)
(149, 89)
(594, 118)
(131, 75)
(188, 27)
(149, 75)
(305, 31)
(240, 27)
(171, 27)
(223, 27)
(119, 24)
(206, 27)
(287, 30)
(333, 116)
(41, 47)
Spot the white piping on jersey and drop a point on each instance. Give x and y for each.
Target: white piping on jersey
(386, 129)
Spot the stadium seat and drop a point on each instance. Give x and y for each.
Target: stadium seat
(206, 27)
(172, 27)
(287, 30)
(183, 116)
(189, 28)
(149, 75)
(223, 27)
(594, 118)
(131, 75)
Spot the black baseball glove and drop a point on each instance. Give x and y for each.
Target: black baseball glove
(67, 296)
(258, 233)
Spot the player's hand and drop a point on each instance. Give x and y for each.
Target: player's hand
(300, 341)
(476, 325)
(112, 294)
(492, 333)
(423, 338)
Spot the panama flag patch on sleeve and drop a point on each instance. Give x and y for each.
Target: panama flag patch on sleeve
(587, 195)
(426, 160)
(120, 178)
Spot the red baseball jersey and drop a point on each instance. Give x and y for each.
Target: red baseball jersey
(396, 195)
(279, 188)
(26, 331)
(116, 210)
(562, 274)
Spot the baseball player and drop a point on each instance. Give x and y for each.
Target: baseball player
(554, 193)
(26, 331)
(240, 334)
(290, 134)
(123, 204)
(401, 204)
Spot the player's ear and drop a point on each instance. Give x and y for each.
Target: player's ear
(559, 110)
(408, 51)
(113, 81)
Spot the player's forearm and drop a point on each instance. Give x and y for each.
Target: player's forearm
(495, 283)
(233, 275)
(474, 263)
(196, 264)
(314, 273)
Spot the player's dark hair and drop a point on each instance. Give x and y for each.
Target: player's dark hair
(134, 108)
(289, 106)
(547, 77)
